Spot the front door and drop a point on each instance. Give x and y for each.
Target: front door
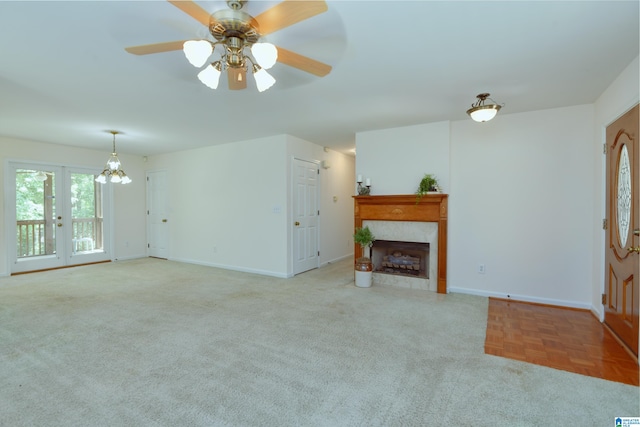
(305, 216)
(58, 218)
(622, 257)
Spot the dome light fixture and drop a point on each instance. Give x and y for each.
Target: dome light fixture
(481, 112)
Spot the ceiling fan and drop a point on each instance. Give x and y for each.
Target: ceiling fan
(239, 34)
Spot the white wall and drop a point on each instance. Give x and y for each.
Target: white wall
(397, 159)
(521, 203)
(129, 205)
(230, 204)
(221, 205)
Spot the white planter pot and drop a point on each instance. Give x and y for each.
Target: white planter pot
(363, 279)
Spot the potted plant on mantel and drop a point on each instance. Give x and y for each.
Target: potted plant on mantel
(428, 185)
(364, 267)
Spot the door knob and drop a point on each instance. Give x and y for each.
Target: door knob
(164, 220)
(59, 224)
(297, 223)
(636, 232)
(635, 249)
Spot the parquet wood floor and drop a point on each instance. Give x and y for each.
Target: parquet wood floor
(567, 339)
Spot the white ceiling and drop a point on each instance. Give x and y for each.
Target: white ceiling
(65, 77)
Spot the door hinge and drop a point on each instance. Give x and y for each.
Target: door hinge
(604, 148)
(604, 299)
(318, 253)
(148, 245)
(605, 224)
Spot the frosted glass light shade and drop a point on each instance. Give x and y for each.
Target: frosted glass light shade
(197, 51)
(265, 54)
(484, 113)
(210, 76)
(263, 79)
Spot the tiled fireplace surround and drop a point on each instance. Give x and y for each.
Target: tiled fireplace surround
(405, 218)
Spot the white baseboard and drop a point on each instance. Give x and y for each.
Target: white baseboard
(125, 258)
(336, 260)
(233, 268)
(523, 298)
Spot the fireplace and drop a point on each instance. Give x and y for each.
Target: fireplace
(401, 258)
(403, 218)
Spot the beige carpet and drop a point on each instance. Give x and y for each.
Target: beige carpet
(157, 343)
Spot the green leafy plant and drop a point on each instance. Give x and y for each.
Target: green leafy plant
(364, 237)
(428, 183)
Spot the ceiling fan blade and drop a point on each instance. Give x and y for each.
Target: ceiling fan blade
(193, 10)
(155, 48)
(237, 77)
(288, 13)
(303, 63)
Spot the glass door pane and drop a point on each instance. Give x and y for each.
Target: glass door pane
(86, 214)
(35, 213)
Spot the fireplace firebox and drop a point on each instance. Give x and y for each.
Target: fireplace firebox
(401, 258)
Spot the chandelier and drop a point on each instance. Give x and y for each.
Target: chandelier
(112, 169)
(481, 112)
(236, 34)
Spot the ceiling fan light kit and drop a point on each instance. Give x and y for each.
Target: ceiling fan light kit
(238, 34)
(481, 112)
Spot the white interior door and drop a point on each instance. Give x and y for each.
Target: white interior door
(305, 215)
(157, 214)
(56, 217)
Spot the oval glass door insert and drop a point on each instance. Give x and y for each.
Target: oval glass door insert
(624, 196)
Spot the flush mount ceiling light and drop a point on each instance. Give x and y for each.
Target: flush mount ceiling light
(236, 39)
(112, 169)
(481, 112)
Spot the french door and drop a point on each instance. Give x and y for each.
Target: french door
(59, 217)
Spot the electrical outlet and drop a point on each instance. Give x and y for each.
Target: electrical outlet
(482, 269)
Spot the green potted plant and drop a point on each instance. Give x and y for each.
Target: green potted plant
(428, 184)
(364, 268)
(364, 237)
